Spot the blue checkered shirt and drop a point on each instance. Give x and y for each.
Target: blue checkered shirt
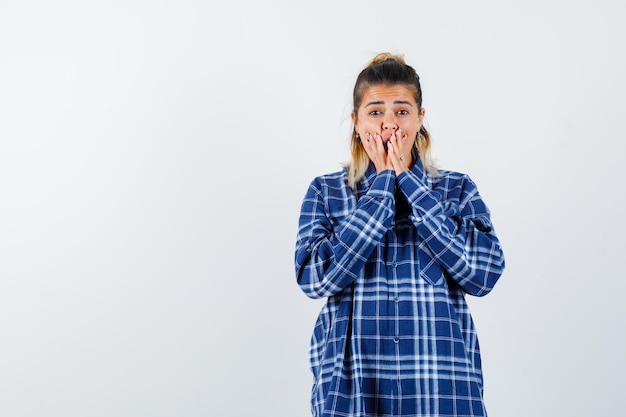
(395, 257)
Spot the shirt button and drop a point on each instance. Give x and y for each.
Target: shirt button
(417, 219)
(396, 340)
(396, 299)
(394, 264)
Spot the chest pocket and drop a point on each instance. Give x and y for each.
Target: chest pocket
(430, 271)
(426, 267)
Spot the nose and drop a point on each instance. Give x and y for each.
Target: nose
(389, 122)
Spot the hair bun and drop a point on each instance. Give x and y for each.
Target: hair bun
(386, 56)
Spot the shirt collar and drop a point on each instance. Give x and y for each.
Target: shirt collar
(420, 172)
(369, 177)
(366, 181)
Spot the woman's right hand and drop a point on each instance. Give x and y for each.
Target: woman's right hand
(375, 149)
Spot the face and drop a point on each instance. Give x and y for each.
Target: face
(385, 109)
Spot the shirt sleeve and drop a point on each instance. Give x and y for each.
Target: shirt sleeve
(330, 253)
(459, 235)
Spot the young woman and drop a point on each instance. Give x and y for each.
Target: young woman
(394, 244)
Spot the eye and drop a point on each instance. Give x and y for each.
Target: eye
(403, 112)
(375, 113)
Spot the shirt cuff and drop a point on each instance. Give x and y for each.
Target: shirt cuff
(384, 184)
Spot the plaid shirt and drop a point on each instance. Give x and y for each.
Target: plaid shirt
(394, 258)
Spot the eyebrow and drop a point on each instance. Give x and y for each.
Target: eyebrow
(373, 103)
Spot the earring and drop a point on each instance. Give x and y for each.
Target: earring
(357, 135)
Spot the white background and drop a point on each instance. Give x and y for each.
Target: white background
(154, 155)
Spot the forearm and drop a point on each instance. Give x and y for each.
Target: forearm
(329, 256)
(459, 234)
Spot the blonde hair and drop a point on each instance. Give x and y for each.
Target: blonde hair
(387, 69)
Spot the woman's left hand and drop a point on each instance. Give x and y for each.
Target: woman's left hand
(399, 151)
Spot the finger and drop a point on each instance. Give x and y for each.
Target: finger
(398, 159)
(369, 146)
(402, 137)
(393, 150)
(379, 141)
(374, 143)
(402, 141)
(394, 145)
(405, 146)
(365, 140)
(374, 148)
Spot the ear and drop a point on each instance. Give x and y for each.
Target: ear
(353, 117)
(420, 117)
